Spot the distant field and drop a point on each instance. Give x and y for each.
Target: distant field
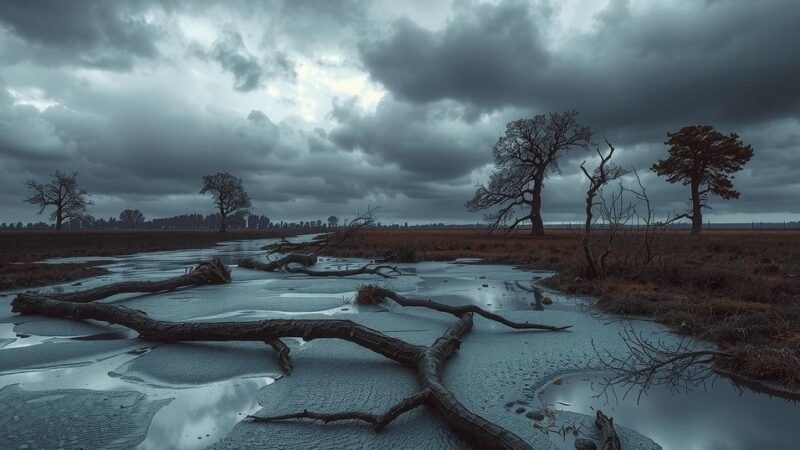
(739, 288)
(19, 250)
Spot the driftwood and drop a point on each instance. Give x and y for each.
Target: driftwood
(428, 362)
(609, 435)
(297, 263)
(213, 272)
(278, 264)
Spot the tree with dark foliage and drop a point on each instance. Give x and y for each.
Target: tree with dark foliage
(333, 221)
(229, 195)
(132, 218)
(62, 193)
(523, 159)
(704, 159)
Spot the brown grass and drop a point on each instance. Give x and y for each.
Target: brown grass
(740, 289)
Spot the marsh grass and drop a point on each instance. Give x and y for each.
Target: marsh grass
(740, 289)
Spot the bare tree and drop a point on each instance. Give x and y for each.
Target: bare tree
(62, 193)
(523, 159)
(131, 217)
(705, 159)
(229, 195)
(602, 175)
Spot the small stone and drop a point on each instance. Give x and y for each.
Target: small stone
(585, 444)
(485, 285)
(520, 410)
(547, 301)
(535, 415)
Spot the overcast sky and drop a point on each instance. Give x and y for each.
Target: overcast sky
(324, 107)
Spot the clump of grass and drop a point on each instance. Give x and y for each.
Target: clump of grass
(369, 294)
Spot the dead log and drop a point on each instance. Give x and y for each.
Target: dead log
(458, 311)
(609, 435)
(278, 264)
(213, 272)
(289, 264)
(428, 362)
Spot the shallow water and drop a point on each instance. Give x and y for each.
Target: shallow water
(193, 395)
(719, 415)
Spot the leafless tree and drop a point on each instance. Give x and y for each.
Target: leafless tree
(523, 159)
(62, 193)
(131, 217)
(229, 195)
(602, 175)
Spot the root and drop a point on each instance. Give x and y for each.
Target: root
(378, 421)
(213, 272)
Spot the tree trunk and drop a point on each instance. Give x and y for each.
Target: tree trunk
(592, 270)
(221, 221)
(697, 208)
(537, 226)
(59, 219)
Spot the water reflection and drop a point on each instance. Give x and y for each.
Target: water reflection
(200, 416)
(722, 416)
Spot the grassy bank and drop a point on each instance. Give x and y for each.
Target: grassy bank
(740, 289)
(20, 250)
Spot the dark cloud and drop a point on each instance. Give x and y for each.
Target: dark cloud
(432, 142)
(189, 88)
(249, 72)
(654, 67)
(94, 33)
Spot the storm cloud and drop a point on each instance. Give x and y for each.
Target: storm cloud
(325, 107)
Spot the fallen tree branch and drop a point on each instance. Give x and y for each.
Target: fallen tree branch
(289, 264)
(378, 421)
(428, 362)
(278, 264)
(609, 435)
(363, 219)
(377, 292)
(213, 272)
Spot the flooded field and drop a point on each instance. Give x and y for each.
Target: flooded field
(86, 384)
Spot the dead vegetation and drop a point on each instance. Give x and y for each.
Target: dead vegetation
(427, 361)
(739, 289)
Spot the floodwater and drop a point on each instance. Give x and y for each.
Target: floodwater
(719, 415)
(86, 384)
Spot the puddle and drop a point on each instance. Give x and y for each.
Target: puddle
(719, 415)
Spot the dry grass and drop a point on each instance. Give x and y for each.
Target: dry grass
(740, 289)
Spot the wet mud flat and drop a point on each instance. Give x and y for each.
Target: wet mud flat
(86, 384)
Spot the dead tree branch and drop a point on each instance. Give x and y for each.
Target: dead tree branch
(428, 362)
(681, 366)
(213, 272)
(458, 311)
(362, 220)
(378, 421)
